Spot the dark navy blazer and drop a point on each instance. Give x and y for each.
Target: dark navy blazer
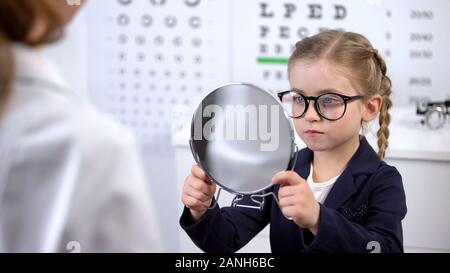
(367, 203)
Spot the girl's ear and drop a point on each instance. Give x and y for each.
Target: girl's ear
(372, 108)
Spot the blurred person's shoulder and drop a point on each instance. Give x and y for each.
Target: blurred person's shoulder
(42, 107)
(65, 118)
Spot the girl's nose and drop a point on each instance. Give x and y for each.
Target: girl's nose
(311, 114)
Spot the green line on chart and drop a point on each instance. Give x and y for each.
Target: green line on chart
(272, 60)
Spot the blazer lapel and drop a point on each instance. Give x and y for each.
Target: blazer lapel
(343, 189)
(364, 162)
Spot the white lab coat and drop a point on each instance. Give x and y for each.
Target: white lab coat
(70, 178)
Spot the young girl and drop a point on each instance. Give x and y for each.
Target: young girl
(341, 196)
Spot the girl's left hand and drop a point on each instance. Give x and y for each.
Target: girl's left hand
(297, 200)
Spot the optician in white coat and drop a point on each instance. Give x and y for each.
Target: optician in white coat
(69, 176)
(71, 179)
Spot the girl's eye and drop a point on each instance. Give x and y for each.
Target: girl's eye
(330, 100)
(299, 99)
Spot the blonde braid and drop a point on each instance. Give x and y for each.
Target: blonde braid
(385, 117)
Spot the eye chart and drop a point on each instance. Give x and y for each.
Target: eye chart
(151, 61)
(152, 57)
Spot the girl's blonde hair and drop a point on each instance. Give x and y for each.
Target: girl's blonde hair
(353, 55)
(17, 18)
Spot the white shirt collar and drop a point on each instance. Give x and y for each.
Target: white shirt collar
(321, 184)
(32, 67)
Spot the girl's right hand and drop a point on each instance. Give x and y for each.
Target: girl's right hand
(198, 192)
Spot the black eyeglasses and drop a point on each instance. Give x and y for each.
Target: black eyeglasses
(330, 106)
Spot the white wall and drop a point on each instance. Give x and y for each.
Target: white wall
(427, 187)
